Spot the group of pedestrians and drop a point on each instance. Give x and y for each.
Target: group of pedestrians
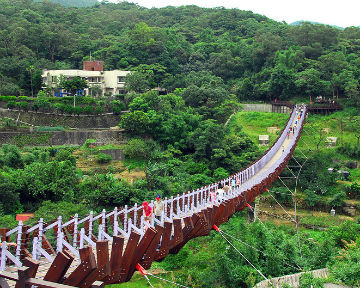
(157, 209)
(217, 194)
(298, 114)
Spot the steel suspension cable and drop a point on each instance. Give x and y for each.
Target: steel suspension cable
(262, 252)
(237, 250)
(293, 220)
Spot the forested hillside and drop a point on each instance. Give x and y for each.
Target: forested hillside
(73, 3)
(248, 55)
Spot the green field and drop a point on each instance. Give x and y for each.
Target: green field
(256, 123)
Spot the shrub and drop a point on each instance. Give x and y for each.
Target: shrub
(50, 211)
(64, 155)
(353, 191)
(23, 105)
(98, 110)
(338, 199)
(346, 266)
(136, 149)
(7, 98)
(117, 106)
(49, 129)
(103, 158)
(311, 198)
(11, 105)
(308, 280)
(23, 98)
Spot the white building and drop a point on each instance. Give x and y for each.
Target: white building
(108, 82)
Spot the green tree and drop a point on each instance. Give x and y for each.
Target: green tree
(346, 265)
(75, 84)
(136, 123)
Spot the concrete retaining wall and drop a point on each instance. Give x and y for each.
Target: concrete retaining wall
(116, 154)
(265, 108)
(293, 280)
(52, 119)
(61, 137)
(257, 107)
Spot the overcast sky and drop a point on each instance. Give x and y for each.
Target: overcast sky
(342, 13)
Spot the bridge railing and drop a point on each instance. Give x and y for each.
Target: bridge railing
(76, 232)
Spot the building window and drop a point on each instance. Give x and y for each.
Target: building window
(121, 79)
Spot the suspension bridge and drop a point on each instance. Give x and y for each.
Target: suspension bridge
(109, 247)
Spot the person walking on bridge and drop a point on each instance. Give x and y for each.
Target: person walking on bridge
(220, 194)
(147, 212)
(158, 208)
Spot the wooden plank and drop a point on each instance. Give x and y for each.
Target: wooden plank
(82, 271)
(205, 227)
(102, 253)
(143, 245)
(33, 267)
(151, 251)
(116, 253)
(123, 264)
(189, 225)
(45, 284)
(165, 242)
(58, 268)
(128, 256)
(97, 274)
(219, 217)
(103, 265)
(85, 253)
(188, 234)
(3, 232)
(178, 236)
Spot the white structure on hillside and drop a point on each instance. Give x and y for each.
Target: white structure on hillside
(99, 82)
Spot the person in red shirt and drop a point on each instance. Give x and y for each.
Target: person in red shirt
(147, 211)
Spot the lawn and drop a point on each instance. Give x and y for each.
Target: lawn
(256, 123)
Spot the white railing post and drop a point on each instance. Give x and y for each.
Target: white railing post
(34, 252)
(41, 230)
(125, 218)
(103, 217)
(183, 203)
(76, 220)
(100, 236)
(59, 238)
(135, 214)
(82, 233)
(172, 208)
(116, 224)
(178, 205)
(91, 216)
(3, 256)
(165, 207)
(18, 240)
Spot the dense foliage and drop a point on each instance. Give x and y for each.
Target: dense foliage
(236, 52)
(212, 262)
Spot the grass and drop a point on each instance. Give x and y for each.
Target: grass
(355, 175)
(256, 123)
(315, 123)
(139, 281)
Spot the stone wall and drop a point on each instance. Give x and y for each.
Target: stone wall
(265, 108)
(52, 119)
(116, 154)
(61, 137)
(292, 280)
